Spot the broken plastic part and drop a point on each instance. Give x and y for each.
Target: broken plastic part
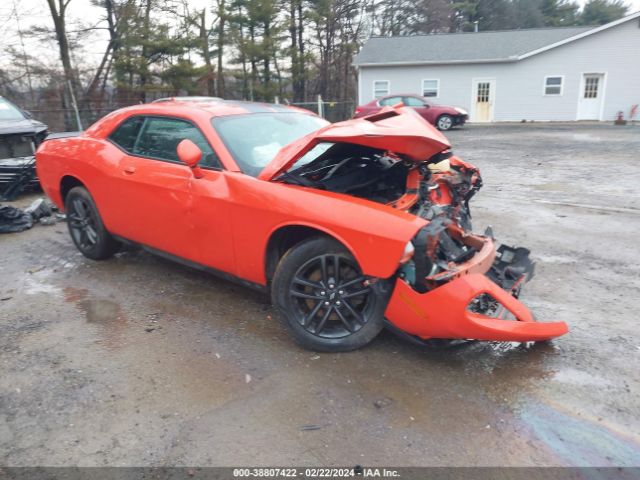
(443, 313)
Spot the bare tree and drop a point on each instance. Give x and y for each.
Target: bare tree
(58, 10)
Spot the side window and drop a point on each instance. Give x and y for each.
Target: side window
(390, 101)
(160, 138)
(125, 135)
(413, 102)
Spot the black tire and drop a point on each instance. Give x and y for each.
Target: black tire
(322, 310)
(86, 228)
(444, 122)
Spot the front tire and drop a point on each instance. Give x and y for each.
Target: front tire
(86, 228)
(324, 300)
(444, 122)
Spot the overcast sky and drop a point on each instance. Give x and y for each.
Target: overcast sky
(36, 13)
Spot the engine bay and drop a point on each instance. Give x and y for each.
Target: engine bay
(390, 179)
(356, 170)
(437, 189)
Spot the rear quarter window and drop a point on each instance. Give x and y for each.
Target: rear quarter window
(126, 134)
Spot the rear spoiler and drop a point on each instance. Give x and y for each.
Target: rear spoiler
(54, 136)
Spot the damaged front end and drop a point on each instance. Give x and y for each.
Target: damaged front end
(19, 139)
(17, 164)
(456, 284)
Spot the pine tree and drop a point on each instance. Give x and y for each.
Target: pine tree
(599, 12)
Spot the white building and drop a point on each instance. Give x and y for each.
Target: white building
(545, 74)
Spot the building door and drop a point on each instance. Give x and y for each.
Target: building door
(591, 93)
(483, 98)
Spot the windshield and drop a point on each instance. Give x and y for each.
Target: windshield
(9, 112)
(311, 155)
(254, 139)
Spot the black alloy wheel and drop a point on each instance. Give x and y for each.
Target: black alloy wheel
(331, 296)
(86, 228)
(82, 224)
(324, 299)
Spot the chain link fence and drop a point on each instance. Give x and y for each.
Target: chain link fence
(332, 111)
(60, 120)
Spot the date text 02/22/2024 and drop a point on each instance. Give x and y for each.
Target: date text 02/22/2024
(313, 473)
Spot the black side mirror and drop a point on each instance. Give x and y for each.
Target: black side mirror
(27, 114)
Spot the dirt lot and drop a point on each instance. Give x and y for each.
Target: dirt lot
(138, 361)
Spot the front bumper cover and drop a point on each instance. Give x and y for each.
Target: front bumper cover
(460, 120)
(444, 311)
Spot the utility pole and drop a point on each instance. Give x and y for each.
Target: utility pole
(75, 105)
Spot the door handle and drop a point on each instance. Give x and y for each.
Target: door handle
(129, 170)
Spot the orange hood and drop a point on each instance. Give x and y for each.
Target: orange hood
(396, 129)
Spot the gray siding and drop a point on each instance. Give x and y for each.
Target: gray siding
(520, 85)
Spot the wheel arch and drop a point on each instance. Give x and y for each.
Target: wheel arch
(285, 237)
(68, 182)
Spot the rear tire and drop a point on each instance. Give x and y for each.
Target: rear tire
(86, 228)
(324, 300)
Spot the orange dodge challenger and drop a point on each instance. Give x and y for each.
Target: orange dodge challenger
(350, 226)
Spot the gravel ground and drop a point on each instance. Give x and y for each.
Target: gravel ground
(138, 361)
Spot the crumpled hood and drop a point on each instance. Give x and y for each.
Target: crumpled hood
(397, 129)
(8, 127)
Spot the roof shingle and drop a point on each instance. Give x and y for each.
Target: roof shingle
(461, 47)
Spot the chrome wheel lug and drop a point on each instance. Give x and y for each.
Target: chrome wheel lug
(337, 302)
(323, 292)
(340, 292)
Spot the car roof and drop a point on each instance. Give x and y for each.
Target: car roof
(217, 107)
(203, 110)
(188, 99)
(401, 95)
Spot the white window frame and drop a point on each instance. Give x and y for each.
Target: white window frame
(378, 97)
(544, 86)
(437, 80)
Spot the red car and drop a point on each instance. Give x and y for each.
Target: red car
(350, 226)
(443, 117)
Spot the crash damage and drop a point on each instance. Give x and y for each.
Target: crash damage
(20, 136)
(453, 283)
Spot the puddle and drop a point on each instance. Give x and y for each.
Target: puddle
(101, 311)
(96, 310)
(580, 441)
(106, 315)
